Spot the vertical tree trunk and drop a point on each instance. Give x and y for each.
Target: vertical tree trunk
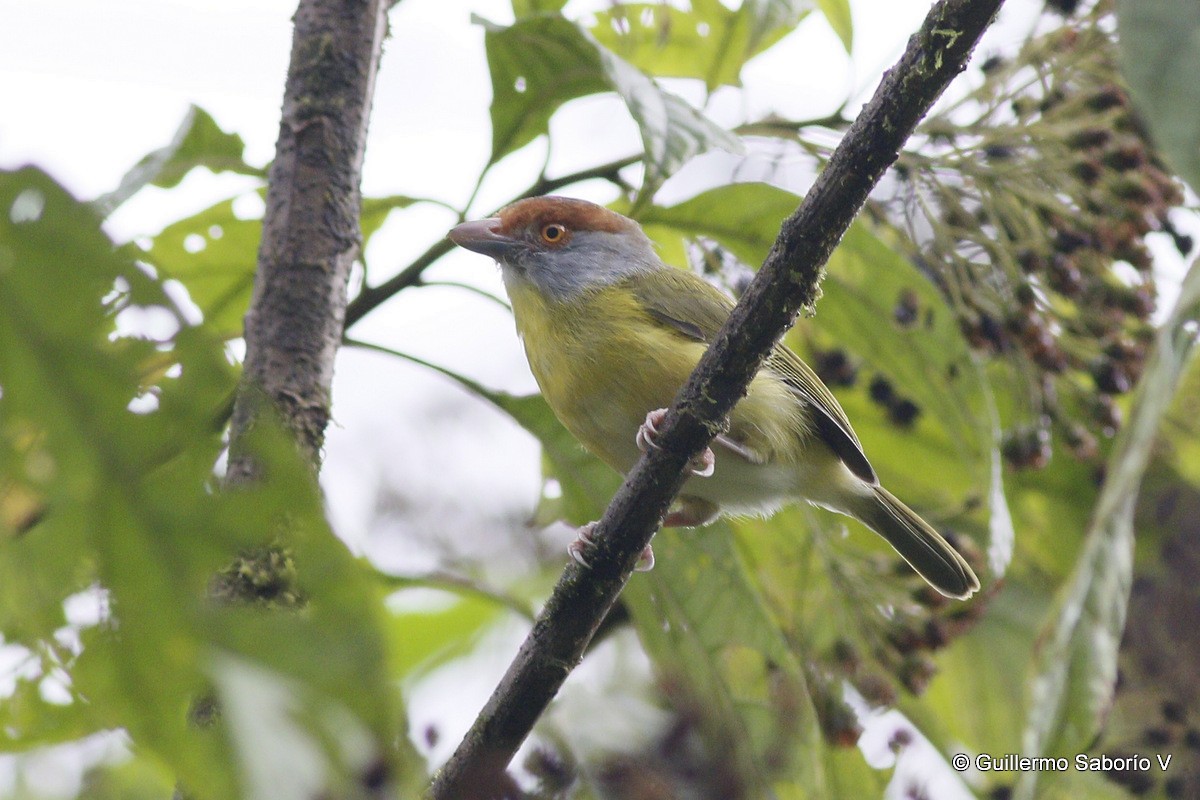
(311, 234)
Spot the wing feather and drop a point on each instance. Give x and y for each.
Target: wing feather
(697, 310)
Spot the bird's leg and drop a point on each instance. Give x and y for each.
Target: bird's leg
(585, 540)
(701, 466)
(740, 449)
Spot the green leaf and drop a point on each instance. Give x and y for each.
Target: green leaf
(28, 720)
(540, 63)
(971, 701)
(136, 516)
(536, 65)
(1160, 56)
(743, 217)
(928, 362)
(529, 8)
(705, 624)
(423, 640)
(837, 13)
(138, 778)
(710, 42)
(1075, 670)
(65, 379)
(375, 211)
(214, 255)
(672, 130)
(199, 142)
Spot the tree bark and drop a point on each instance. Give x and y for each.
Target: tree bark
(787, 282)
(311, 233)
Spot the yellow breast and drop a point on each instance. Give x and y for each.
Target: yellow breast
(602, 363)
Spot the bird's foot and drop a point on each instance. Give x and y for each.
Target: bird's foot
(585, 541)
(701, 466)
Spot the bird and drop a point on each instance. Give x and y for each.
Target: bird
(611, 332)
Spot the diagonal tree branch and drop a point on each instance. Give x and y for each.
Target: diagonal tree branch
(786, 284)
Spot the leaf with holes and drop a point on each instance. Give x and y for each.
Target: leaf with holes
(213, 254)
(710, 41)
(540, 63)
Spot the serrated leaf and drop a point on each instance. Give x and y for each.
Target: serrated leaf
(1075, 670)
(198, 142)
(1160, 56)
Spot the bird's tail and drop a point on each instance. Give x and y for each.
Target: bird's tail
(922, 547)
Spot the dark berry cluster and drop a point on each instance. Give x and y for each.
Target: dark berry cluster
(1029, 203)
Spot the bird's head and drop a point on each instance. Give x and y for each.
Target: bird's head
(560, 245)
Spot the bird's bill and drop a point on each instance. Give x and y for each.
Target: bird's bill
(482, 236)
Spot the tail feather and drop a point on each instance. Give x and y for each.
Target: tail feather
(922, 547)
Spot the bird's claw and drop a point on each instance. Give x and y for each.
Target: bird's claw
(702, 466)
(585, 540)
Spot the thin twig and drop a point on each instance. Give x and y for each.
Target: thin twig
(787, 282)
(500, 301)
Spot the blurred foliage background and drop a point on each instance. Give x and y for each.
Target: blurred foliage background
(1008, 326)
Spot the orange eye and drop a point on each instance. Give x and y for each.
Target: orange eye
(552, 233)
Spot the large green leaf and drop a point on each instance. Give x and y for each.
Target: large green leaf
(1076, 665)
(213, 254)
(704, 623)
(63, 378)
(837, 13)
(710, 41)
(541, 62)
(130, 510)
(928, 362)
(536, 65)
(199, 142)
(528, 8)
(1160, 56)
(744, 217)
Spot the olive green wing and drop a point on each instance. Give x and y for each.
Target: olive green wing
(683, 301)
(831, 422)
(697, 310)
